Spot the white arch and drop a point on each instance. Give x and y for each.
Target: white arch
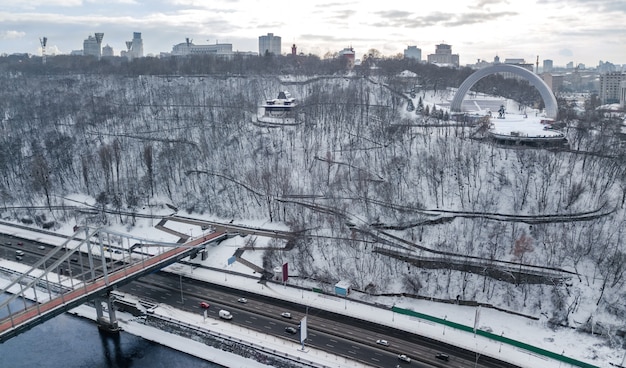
(544, 90)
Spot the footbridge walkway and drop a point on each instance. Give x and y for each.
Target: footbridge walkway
(88, 269)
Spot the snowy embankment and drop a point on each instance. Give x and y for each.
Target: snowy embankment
(532, 332)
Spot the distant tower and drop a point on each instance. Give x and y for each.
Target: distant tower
(537, 65)
(547, 66)
(189, 42)
(99, 37)
(269, 44)
(126, 53)
(294, 50)
(43, 42)
(137, 45)
(107, 51)
(93, 46)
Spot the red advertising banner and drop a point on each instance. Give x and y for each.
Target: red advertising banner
(285, 272)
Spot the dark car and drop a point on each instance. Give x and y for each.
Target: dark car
(290, 330)
(442, 356)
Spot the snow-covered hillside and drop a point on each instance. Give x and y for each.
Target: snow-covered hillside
(391, 200)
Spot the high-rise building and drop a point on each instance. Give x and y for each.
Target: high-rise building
(610, 87)
(93, 45)
(443, 55)
(412, 52)
(136, 49)
(555, 82)
(622, 95)
(269, 44)
(107, 51)
(548, 65)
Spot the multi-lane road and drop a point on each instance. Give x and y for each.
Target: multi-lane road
(345, 336)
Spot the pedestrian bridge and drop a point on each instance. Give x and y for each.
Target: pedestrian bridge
(83, 269)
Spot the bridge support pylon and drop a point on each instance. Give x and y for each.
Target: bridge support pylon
(108, 325)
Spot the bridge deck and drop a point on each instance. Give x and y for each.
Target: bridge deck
(25, 319)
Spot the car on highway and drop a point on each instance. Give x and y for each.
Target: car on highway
(242, 300)
(204, 305)
(286, 314)
(442, 356)
(382, 342)
(404, 358)
(291, 330)
(20, 243)
(41, 247)
(224, 314)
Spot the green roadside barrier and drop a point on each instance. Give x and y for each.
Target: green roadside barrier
(499, 338)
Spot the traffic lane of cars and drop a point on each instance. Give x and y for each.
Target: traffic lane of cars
(161, 293)
(275, 324)
(260, 308)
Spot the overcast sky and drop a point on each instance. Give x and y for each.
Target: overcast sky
(582, 31)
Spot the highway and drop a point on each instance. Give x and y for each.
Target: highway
(345, 336)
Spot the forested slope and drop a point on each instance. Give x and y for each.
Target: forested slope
(360, 176)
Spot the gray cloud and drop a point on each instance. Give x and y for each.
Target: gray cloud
(405, 19)
(618, 6)
(482, 3)
(11, 35)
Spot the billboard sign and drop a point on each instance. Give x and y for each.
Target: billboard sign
(285, 271)
(303, 330)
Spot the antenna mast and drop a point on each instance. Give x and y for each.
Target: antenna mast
(43, 41)
(537, 65)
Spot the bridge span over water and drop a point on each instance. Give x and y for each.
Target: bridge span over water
(55, 287)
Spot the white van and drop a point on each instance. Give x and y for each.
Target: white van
(225, 314)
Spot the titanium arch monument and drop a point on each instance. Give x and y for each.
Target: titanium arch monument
(546, 94)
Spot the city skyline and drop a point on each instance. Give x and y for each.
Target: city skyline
(478, 29)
